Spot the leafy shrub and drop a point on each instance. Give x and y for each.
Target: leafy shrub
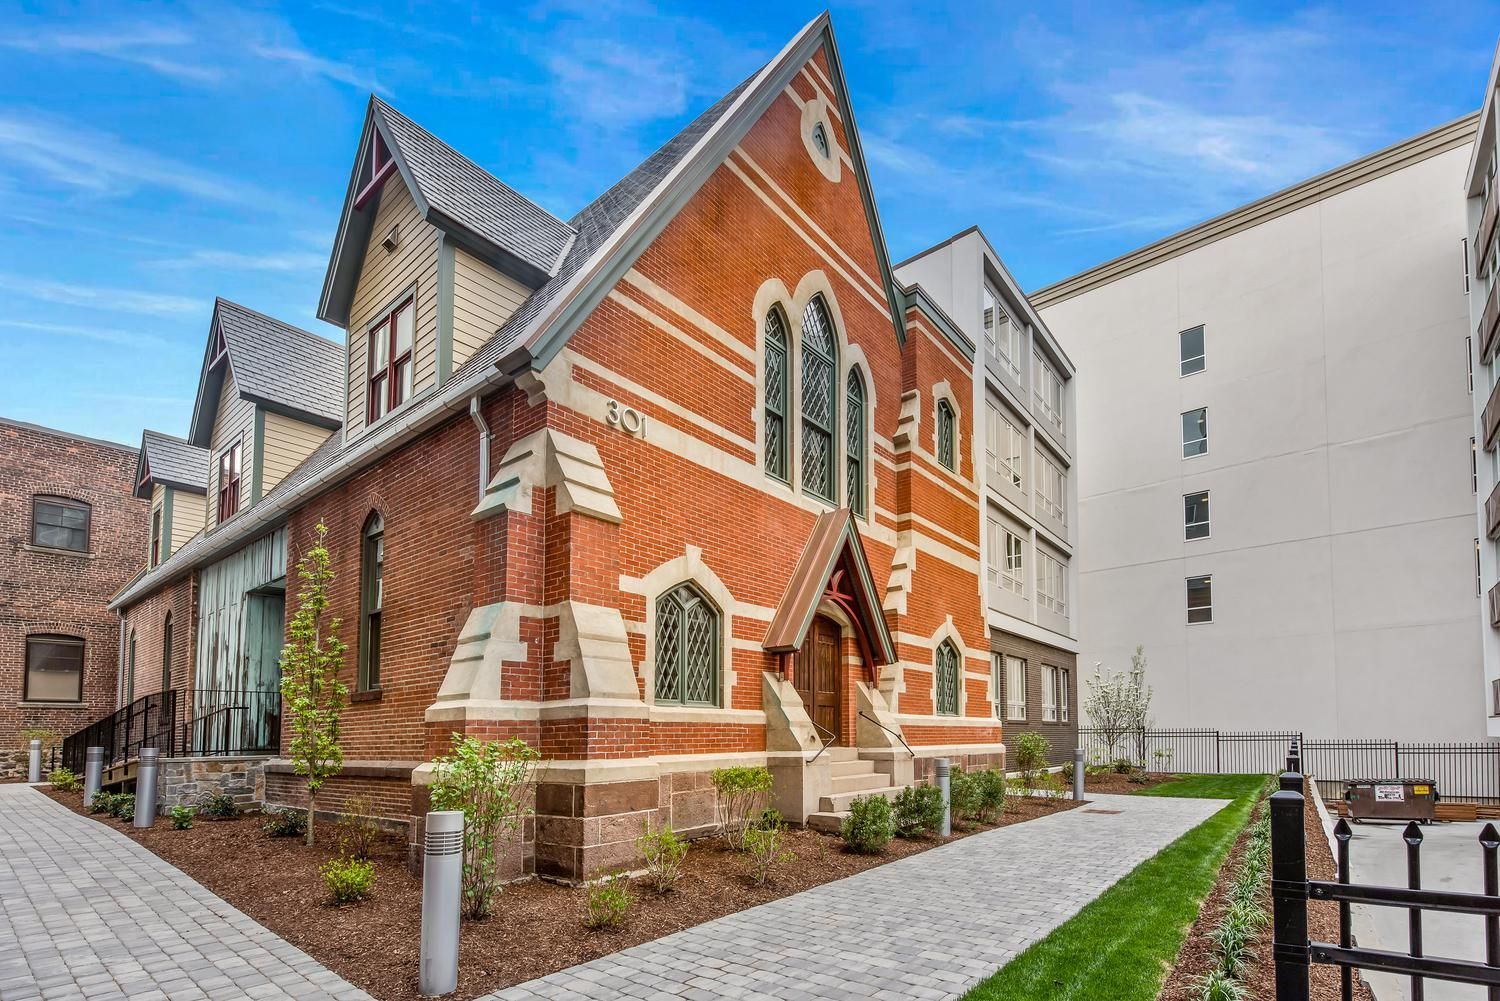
(743, 792)
(357, 831)
(991, 786)
(1137, 778)
(763, 845)
(490, 782)
(1122, 766)
(1051, 785)
(664, 851)
(769, 817)
(123, 806)
(1216, 986)
(870, 825)
(348, 879)
(607, 904)
(284, 823)
(65, 779)
(103, 802)
(1067, 772)
(965, 797)
(182, 816)
(1030, 757)
(919, 811)
(218, 805)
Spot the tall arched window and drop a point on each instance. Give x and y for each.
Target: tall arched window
(371, 599)
(945, 423)
(945, 681)
(687, 648)
(819, 379)
(130, 670)
(854, 413)
(166, 653)
(777, 393)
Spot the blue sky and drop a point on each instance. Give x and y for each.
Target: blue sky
(154, 156)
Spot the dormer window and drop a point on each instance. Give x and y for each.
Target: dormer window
(229, 482)
(390, 341)
(820, 140)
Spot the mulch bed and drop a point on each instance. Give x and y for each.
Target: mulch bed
(1113, 782)
(1197, 956)
(537, 927)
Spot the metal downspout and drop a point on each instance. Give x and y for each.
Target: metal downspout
(484, 444)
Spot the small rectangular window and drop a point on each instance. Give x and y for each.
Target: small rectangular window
(1051, 486)
(1051, 582)
(1047, 391)
(1049, 694)
(229, 482)
(1004, 447)
(1015, 688)
(54, 669)
(156, 536)
(1474, 464)
(1200, 599)
(1195, 515)
(389, 382)
(1063, 686)
(1469, 361)
(60, 523)
(1190, 346)
(1195, 433)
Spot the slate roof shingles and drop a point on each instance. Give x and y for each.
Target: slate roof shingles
(283, 364)
(176, 461)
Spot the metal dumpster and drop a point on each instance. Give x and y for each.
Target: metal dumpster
(1391, 799)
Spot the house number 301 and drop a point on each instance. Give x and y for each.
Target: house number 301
(627, 419)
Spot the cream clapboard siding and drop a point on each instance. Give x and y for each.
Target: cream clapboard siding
(234, 421)
(187, 517)
(383, 277)
(483, 299)
(287, 442)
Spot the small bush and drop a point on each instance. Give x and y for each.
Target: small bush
(1122, 766)
(357, 831)
(1232, 944)
(1067, 772)
(763, 845)
(664, 851)
(769, 818)
(870, 825)
(991, 786)
(743, 792)
(965, 798)
(284, 823)
(919, 811)
(348, 879)
(1137, 778)
(103, 802)
(123, 806)
(182, 816)
(65, 780)
(608, 902)
(218, 806)
(1051, 785)
(1218, 987)
(1030, 757)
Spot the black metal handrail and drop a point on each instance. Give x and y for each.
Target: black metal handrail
(190, 722)
(893, 733)
(146, 722)
(826, 742)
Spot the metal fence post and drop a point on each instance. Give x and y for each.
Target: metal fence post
(1489, 840)
(1413, 838)
(940, 773)
(442, 892)
(34, 761)
(93, 773)
(1289, 896)
(1289, 781)
(1078, 771)
(1342, 834)
(145, 787)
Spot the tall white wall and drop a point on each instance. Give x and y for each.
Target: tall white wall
(1343, 513)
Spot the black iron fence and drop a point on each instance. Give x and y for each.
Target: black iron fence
(1292, 950)
(186, 723)
(1467, 771)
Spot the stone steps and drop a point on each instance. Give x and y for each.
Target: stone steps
(839, 801)
(859, 782)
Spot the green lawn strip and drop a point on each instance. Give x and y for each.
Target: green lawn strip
(1121, 946)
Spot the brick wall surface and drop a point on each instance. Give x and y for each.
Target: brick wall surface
(1062, 736)
(57, 592)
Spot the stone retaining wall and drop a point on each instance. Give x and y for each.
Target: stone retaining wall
(184, 781)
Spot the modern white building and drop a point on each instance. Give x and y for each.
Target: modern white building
(1025, 429)
(1483, 258)
(1276, 472)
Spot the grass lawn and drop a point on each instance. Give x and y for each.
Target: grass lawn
(1121, 946)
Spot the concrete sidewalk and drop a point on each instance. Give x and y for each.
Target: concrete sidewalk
(929, 926)
(88, 913)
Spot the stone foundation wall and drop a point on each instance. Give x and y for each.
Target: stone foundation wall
(185, 781)
(924, 768)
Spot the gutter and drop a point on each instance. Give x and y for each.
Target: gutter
(271, 511)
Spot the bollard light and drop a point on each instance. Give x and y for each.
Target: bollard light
(1078, 773)
(93, 773)
(145, 788)
(34, 766)
(941, 772)
(442, 891)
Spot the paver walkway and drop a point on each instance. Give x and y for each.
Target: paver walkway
(87, 913)
(928, 926)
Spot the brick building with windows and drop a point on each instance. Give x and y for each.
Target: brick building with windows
(71, 535)
(685, 481)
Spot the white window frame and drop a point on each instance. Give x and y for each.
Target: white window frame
(1051, 582)
(1188, 593)
(1186, 441)
(1047, 390)
(1051, 486)
(1004, 464)
(1007, 349)
(1015, 710)
(1063, 684)
(1049, 694)
(1185, 360)
(1207, 522)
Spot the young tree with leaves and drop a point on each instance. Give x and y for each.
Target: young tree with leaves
(310, 688)
(1120, 704)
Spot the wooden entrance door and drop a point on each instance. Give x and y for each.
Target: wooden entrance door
(819, 676)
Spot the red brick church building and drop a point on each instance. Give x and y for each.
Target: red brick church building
(684, 481)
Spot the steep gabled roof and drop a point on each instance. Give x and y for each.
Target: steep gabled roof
(275, 365)
(171, 462)
(453, 193)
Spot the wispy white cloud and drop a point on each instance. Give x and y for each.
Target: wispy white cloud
(99, 297)
(610, 85)
(103, 335)
(289, 261)
(100, 163)
(155, 48)
(313, 65)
